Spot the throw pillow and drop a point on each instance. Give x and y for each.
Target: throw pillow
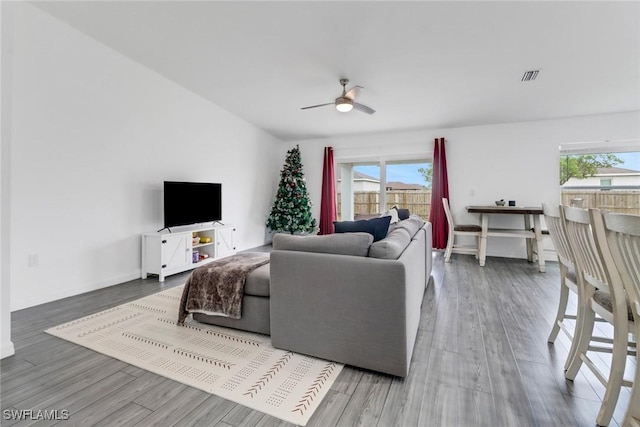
(402, 213)
(377, 227)
(393, 213)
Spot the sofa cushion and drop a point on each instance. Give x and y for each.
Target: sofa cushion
(392, 246)
(356, 244)
(377, 227)
(257, 283)
(411, 224)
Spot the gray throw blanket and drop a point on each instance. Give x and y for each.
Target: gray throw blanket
(217, 288)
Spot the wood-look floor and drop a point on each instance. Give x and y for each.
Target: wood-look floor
(481, 359)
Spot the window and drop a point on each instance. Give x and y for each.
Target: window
(369, 188)
(602, 175)
(409, 186)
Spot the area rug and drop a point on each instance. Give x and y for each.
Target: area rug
(236, 365)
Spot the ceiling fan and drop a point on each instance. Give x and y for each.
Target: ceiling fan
(345, 102)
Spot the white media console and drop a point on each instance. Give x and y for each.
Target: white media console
(165, 253)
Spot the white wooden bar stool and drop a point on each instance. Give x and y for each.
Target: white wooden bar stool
(568, 280)
(460, 230)
(618, 239)
(600, 292)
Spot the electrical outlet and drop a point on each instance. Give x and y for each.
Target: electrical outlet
(33, 260)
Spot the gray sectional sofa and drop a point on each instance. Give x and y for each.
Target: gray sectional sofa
(343, 298)
(255, 306)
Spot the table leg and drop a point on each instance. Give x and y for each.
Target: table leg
(484, 219)
(144, 258)
(539, 243)
(529, 242)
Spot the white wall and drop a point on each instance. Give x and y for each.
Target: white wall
(94, 136)
(517, 161)
(6, 345)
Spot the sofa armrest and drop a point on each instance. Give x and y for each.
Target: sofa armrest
(343, 308)
(429, 248)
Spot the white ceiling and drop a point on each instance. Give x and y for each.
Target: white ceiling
(423, 64)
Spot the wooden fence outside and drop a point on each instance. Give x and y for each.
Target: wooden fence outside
(621, 201)
(419, 202)
(368, 202)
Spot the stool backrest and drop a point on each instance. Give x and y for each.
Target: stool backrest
(447, 212)
(618, 240)
(588, 263)
(558, 234)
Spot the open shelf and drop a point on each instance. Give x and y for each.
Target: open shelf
(166, 253)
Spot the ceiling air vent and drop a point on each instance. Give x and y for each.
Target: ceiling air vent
(530, 75)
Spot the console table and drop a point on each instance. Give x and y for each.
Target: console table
(533, 235)
(165, 253)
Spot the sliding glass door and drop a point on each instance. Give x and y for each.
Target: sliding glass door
(408, 186)
(367, 189)
(358, 190)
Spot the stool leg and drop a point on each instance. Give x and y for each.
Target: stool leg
(581, 339)
(447, 254)
(616, 373)
(562, 305)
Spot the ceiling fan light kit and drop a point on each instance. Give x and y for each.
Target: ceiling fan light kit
(345, 102)
(344, 105)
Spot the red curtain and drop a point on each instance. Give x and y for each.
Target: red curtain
(439, 189)
(328, 196)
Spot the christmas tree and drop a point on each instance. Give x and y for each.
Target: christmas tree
(291, 211)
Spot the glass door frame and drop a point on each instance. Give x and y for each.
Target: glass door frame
(346, 165)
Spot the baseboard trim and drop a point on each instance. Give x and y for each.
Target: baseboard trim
(43, 298)
(7, 350)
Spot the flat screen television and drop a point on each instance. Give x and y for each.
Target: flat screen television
(188, 203)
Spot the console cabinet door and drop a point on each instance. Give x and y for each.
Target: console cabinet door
(224, 242)
(176, 251)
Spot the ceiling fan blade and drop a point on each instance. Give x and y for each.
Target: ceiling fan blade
(363, 108)
(351, 93)
(319, 105)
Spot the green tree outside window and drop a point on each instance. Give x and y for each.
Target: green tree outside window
(585, 165)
